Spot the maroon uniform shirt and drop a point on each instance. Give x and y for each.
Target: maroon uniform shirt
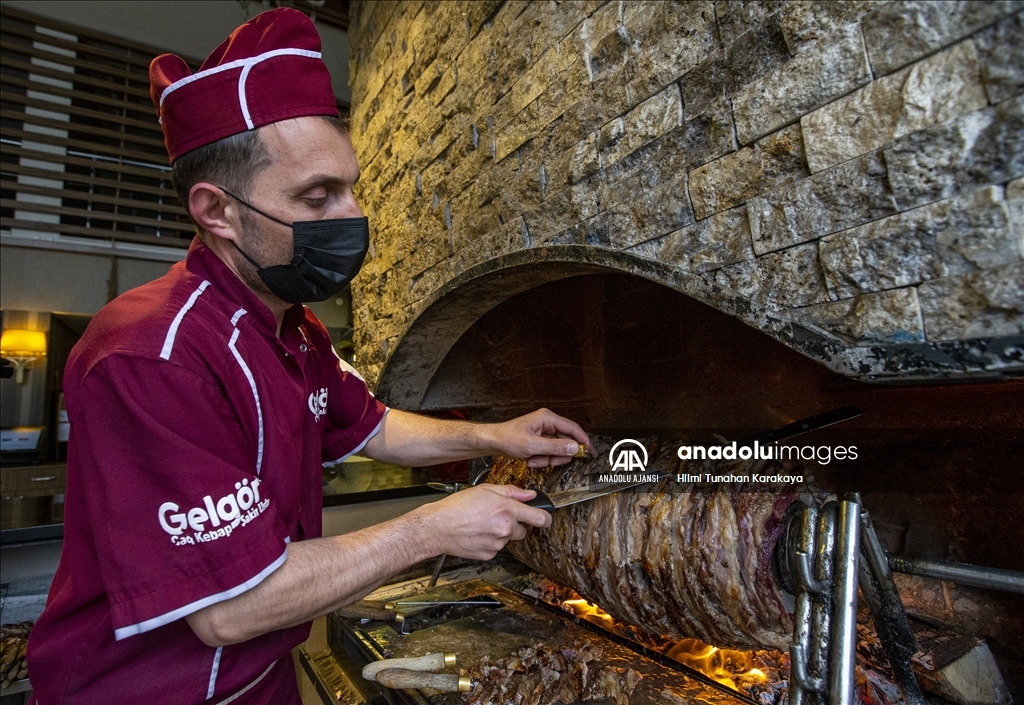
(197, 439)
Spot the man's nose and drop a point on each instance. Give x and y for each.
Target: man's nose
(349, 208)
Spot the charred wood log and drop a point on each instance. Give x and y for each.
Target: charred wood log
(957, 668)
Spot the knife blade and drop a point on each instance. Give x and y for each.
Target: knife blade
(550, 501)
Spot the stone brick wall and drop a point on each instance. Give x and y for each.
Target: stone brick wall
(852, 167)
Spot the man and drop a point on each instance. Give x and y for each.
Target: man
(203, 404)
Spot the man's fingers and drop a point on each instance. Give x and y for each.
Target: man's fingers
(558, 446)
(519, 494)
(533, 516)
(522, 513)
(551, 451)
(562, 425)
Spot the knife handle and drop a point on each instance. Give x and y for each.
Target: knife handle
(361, 610)
(429, 662)
(400, 678)
(542, 501)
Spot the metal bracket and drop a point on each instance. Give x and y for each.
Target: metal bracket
(822, 557)
(822, 569)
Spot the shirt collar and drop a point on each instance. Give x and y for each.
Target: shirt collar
(202, 262)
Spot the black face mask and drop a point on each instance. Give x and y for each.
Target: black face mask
(326, 255)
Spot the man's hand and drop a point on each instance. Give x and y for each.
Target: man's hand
(477, 523)
(321, 575)
(541, 438)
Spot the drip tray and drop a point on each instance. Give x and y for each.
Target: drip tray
(506, 622)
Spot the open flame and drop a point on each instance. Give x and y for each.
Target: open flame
(762, 675)
(732, 668)
(582, 608)
(727, 666)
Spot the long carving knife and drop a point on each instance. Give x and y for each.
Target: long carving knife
(550, 501)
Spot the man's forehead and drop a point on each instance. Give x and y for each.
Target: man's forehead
(313, 146)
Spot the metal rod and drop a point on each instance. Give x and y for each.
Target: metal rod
(821, 609)
(438, 567)
(799, 682)
(402, 603)
(844, 606)
(805, 572)
(890, 618)
(962, 573)
(805, 681)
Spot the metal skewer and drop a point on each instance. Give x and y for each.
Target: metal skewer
(403, 603)
(484, 467)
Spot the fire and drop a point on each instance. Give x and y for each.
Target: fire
(582, 608)
(761, 675)
(732, 668)
(727, 666)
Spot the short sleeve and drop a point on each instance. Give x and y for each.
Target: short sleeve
(180, 520)
(353, 414)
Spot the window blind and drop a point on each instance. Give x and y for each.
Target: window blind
(81, 151)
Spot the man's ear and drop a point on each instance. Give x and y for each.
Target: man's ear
(214, 211)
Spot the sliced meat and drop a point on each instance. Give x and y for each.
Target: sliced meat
(545, 675)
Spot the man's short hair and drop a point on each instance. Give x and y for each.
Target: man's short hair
(233, 162)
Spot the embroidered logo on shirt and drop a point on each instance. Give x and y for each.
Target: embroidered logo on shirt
(234, 509)
(318, 403)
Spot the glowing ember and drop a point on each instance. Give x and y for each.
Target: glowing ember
(732, 668)
(727, 666)
(582, 608)
(760, 675)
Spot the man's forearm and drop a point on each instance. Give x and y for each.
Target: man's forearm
(318, 576)
(321, 575)
(412, 439)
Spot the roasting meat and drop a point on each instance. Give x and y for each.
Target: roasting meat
(682, 560)
(14, 638)
(542, 675)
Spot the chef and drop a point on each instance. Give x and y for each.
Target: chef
(204, 404)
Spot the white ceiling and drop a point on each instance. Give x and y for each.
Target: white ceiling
(190, 28)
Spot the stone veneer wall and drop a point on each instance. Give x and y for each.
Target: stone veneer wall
(854, 165)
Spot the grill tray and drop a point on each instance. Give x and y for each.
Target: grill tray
(499, 632)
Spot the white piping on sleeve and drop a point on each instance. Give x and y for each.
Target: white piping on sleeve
(249, 687)
(213, 673)
(345, 367)
(165, 352)
(255, 395)
(342, 459)
(150, 624)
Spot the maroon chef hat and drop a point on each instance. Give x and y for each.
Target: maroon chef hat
(269, 69)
